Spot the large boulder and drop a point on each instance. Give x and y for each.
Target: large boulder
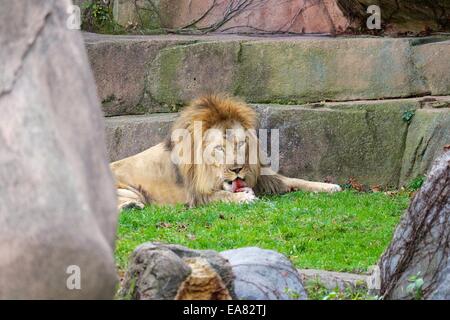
(416, 265)
(58, 208)
(428, 133)
(159, 271)
(264, 275)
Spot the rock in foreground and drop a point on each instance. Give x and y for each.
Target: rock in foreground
(417, 263)
(264, 275)
(166, 272)
(57, 199)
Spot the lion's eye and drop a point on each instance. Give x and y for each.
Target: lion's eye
(219, 148)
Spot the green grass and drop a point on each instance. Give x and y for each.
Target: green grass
(345, 231)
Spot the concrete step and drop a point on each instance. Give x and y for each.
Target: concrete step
(145, 74)
(367, 140)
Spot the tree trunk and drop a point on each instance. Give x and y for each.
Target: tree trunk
(421, 243)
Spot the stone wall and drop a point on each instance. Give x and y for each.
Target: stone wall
(288, 16)
(340, 104)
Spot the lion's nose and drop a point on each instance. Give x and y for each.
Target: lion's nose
(236, 170)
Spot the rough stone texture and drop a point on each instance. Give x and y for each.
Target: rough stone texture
(433, 60)
(428, 133)
(144, 74)
(420, 245)
(338, 141)
(120, 67)
(328, 69)
(156, 271)
(294, 70)
(254, 16)
(332, 280)
(264, 275)
(129, 135)
(181, 73)
(57, 195)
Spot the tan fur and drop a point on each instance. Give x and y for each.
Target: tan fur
(152, 177)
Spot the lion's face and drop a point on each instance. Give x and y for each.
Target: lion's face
(228, 150)
(228, 146)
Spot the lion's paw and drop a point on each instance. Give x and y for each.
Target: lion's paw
(333, 188)
(131, 205)
(245, 195)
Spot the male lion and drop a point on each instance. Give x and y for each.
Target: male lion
(157, 176)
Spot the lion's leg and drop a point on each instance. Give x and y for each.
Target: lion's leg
(128, 198)
(276, 183)
(225, 196)
(304, 185)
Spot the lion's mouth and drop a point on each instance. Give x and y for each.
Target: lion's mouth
(237, 185)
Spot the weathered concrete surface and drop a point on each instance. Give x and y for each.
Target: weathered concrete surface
(142, 14)
(120, 67)
(260, 16)
(337, 141)
(145, 74)
(329, 141)
(129, 135)
(332, 280)
(433, 60)
(428, 133)
(57, 199)
(181, 73)
(292, 70)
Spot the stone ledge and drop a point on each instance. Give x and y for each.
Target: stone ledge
(332, 280)
(145, 74)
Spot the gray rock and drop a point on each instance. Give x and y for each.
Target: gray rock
(332, 280)
(156, 271)
(420, 245)
(264, 275)
(58, 204)
(428, 133)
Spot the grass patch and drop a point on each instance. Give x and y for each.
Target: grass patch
(345, 231)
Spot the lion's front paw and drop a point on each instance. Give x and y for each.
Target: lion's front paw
(131, 205)
(245, 195)
(333, 188)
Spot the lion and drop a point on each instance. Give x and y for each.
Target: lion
(168, 173)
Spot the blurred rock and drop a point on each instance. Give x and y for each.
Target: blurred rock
(416, 264)
(264, 275)
(58, 205)
(163, 271)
